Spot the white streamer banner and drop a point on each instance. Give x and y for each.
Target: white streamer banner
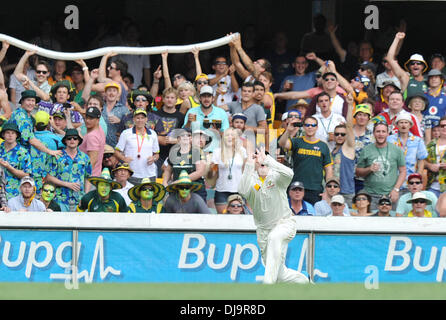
(51, 54)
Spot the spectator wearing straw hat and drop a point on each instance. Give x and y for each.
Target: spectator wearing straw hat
(147, 197)
(103, 198)
(109, 159)
(419, 202)
(121, 173)
(14, 159)
(182, 197)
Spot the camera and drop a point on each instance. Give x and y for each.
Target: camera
(66, 105)
(297, 124)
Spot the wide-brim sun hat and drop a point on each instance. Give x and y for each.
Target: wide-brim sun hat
(421, 96)
(105, 177)
(10, 126)
(159, 191)
(419, 196)
(184, 180)
(72, 133)
(416, 57)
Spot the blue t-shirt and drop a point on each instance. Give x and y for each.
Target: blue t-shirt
(300, 83)
(435, 110)
(306, 210)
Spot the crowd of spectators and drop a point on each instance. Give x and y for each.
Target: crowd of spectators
(364, 134)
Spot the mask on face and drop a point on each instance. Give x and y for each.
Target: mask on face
(104, 189)
(146, 194)
(48, 196)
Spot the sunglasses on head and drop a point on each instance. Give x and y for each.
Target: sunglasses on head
(414, 182)
(41, 72)
(342, 134)
(314, 125)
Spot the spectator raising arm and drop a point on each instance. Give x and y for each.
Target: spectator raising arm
(196, 52)
(167, 82)
(237, 53)
(103, 67)
(4, 104)
(342, 53)
(89, 84)
(157, 75)
(5, 46)
(342, 81)
(401, 74)
(84, 69)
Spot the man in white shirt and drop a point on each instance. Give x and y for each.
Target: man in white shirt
(264, 186)
(121, 173)
(223, 81)
(327, 120)
(138, 146)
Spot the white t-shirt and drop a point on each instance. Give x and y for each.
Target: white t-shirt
(224, 184)
(128, 144)
(326, 125)
(14, 83)
(337, 105)
(124, 192)
(440, 151)
(224, 82)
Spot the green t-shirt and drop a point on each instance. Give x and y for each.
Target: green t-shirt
(136, 207)
(390, 158)
(91, 202)
(415, 87)
(309, 161)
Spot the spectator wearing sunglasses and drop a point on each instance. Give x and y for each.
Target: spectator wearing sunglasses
(70, 172)
(236, 205)
(299, 207)
(109, 160)
(362, 204)
(384, 207)
(414, 185)
(47, 197)
(332, 188)
(360, 85)
(412, 78)
(40, 84)
(147, 197)
(138, 99)
(223, 81)
(311, 158)
(344, 156)
(182, 197)
(419, 203)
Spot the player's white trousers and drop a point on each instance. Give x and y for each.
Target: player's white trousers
(273, 245)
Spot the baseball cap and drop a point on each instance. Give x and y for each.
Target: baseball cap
(295, 111)
(140, 111)
(27, 179)
(59, 115)
(206, 90)
(239, 116)
(201, 75)
(42, 117)
(368, 65)
(389, 83)
(93, 112)
(334, 179)
(415, 175)
(337, 199)
(296, 184)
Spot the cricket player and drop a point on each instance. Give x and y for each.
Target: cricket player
(263, 185)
